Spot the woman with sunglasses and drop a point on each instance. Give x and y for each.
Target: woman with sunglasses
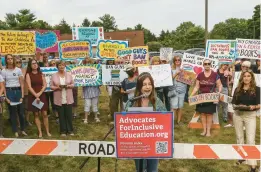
(145, 85)
(177, 91)
(14, 92)
(246, 101)
(206, 82)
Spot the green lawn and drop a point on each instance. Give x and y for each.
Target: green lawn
(93, 131)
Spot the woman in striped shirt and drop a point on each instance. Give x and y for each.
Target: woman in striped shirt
(91, 98)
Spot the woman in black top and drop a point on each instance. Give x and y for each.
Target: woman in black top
(246, 101)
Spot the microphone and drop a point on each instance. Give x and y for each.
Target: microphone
(139, 97)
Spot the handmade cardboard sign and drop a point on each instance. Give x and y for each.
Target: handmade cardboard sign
(186, 77)
(107, 49)
(47, 40)
(166, 53)
(93, 34)
(204, 98)
(113, 74)
(248, 48)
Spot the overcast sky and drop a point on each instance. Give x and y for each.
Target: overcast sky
(152, 14)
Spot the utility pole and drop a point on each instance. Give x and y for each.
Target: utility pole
(206, 21)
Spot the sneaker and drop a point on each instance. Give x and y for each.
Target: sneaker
(63, 135)
(228, 125)
(72, 134)
(24, 133)
(16, 134)
(85, 121)
(111, 123)
(97, 120)
(74, 116)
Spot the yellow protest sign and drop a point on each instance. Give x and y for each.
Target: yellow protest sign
(17, 42)
(107, 49)
(74, 49)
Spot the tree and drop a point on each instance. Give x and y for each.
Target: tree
(154, 46)
(108, 22)
(3, 25)
(11, 21)
(231, 29)
(148, 35)
(25, 19)
(40, 24)
(86, 23)
(63, 27)
(254, 23)
(96, 24)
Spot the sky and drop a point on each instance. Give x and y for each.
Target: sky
(156, 15)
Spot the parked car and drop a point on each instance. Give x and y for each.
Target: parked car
(179, 51)
(194, 50)
(200, 53)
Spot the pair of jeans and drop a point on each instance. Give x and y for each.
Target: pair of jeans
(14, 95)
(65, 118)
(115, 101)
(151, 165)
(187, 94)
(247, 119)
(13, 112)
(223, 105)
(166, 98)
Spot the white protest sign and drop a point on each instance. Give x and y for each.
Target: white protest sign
(203, 98)
(113, 74)
(160, 73)
(194, 63)
(248, 48)
(166, 53)
(223, 50)
(48, 72)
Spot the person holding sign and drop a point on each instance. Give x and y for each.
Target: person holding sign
(62, 84)
(145, 86)
(246, 101)
(36, 85)
(2, 87)
(206, 82)
(177, 91)
(14, 92)
(128, 84)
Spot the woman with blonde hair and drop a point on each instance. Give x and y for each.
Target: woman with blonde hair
(246, 101)
(177, 91)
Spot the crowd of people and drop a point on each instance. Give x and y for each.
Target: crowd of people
(23, 87)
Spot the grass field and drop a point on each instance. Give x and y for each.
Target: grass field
(93, 131)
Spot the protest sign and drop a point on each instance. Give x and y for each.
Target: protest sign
(204, 98)
(93, 34)
(194, 63)
(225, 98)
(47, 40)
(186, 77)
(248, 48)
(161, 74)
(166, 54)
(48, 72)
(86, 75)
(113, 74)
(107, 49)
(17, 42)
(74, 49)
(223, 50)
(144, 135)
(137, 56)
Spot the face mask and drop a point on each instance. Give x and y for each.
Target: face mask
(130, 73)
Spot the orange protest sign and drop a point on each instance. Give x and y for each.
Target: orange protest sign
(186, 77)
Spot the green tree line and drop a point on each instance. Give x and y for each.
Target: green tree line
(186, 35)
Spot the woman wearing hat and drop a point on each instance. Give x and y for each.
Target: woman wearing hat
(128, 85)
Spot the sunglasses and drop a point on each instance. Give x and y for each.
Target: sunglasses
(52, 63)
(18, 62)
(177, 60)
(207, 64)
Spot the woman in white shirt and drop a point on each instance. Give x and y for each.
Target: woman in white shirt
(14, 92)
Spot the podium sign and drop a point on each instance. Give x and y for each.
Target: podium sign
(147, 135)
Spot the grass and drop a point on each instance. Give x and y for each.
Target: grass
(93, 131)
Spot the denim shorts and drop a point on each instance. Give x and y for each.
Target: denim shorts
(177, 101)
(14, 95)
